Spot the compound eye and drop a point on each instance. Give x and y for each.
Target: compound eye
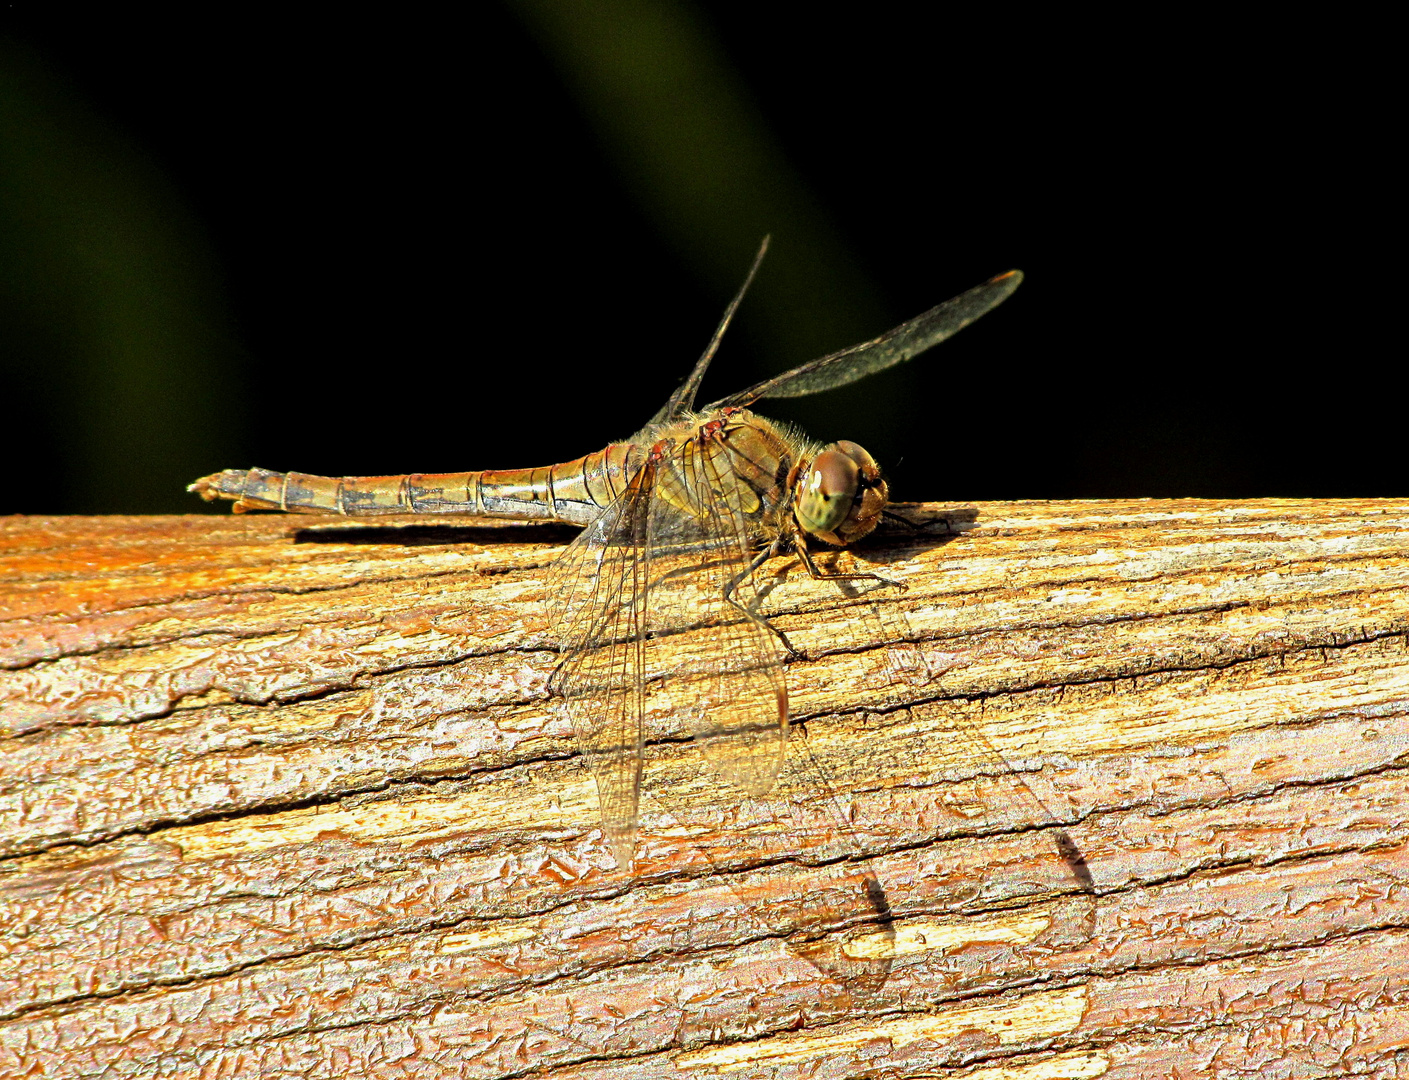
(827, 492)
(858, 454)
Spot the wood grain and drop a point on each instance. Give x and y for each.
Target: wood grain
(289, 797)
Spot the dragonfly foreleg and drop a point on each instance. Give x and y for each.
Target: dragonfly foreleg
(818, 574)
(892, 515)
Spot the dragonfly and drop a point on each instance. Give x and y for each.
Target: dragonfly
(655, 603)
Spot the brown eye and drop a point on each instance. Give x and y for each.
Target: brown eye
(827, 490)
(869, 469)
(839, 498)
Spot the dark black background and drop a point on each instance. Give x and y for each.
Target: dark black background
(406, 241)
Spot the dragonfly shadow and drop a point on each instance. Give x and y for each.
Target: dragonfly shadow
(929, 519)
(795, 866)
(907, 525)
(903, 533)
(931, 527)
(436, 535)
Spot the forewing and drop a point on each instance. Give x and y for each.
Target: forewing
(599, 596)
(906, 340)
(720, 665)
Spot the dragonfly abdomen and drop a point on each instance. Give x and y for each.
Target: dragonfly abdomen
(573, 491)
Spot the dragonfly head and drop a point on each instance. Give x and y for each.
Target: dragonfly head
(839, 495)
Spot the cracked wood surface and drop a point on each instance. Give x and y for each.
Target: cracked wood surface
(287, 797)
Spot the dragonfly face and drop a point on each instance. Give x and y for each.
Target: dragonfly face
(838, 497)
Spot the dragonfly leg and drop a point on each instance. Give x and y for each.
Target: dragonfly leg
(818, 574)
(924, 528)
(742, 576)
(893, 516)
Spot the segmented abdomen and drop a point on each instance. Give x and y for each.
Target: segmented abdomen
(573, 491)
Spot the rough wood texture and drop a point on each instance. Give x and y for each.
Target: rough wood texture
(286, 797)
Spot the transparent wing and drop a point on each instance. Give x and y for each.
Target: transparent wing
(720, 665)
(683, 400)
(654, 605)
(599, 597)
(905, 341)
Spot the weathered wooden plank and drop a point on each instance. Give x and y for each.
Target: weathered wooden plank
(288, 797)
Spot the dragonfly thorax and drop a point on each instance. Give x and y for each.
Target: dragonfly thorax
(838, 496)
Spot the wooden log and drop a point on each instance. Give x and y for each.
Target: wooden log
(1110, 789)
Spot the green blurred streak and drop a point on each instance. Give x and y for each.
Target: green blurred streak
(689, 140)
(110, 333)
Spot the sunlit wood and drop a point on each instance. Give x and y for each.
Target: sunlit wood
(286, 796)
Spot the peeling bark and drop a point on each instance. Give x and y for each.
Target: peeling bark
(1109, 788)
